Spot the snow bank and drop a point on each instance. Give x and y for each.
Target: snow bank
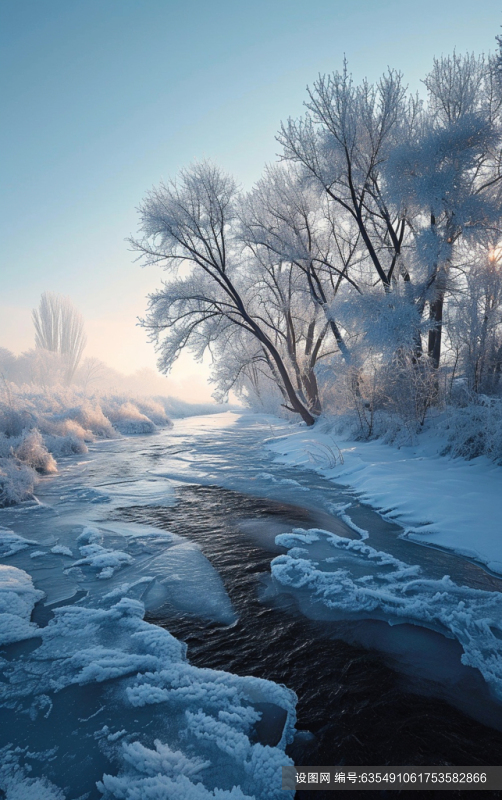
(439, 500)
(339, 578)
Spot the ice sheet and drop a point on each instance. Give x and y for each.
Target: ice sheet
(115, 701)
(340, 578)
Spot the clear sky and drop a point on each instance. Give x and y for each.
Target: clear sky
(101, 99)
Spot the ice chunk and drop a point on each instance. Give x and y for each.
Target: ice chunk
(104, 559)
(11, 542)
(17, 599)
(186, 579)
(62, 550)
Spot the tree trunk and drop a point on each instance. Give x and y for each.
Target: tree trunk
(296, 403)
(434, 343)
(312, 391)
(286, 381)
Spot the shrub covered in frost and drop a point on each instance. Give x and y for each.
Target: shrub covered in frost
(38, 426)
(17, 481)
(21, 458)
(153, 410)
(127, 418)
(14, 420)
(474, 429)
(32, 451)
(86, 417)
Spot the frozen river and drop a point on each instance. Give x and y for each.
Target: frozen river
(393, 649)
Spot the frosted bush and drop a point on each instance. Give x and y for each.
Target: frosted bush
(5, 446)
(67, 418)
(38, 426)
(383, 400)
(153, 410)
(84, 419)
(32, 451)
(17, 482)
(67, 445)
(474, 429)
(66, 427)
(14, 420)
(89, 414)
(127, 418)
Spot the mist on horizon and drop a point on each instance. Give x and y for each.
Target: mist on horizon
(117, 357)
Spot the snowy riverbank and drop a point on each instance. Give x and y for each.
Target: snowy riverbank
(440, 501)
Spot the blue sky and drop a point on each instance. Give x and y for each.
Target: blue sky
(101, 99)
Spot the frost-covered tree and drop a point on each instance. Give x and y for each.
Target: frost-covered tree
(187, 228)
(445, 176)
(345, 260)
(341, 147)
(342, 143)
(412, 180)
(286, 220)
(59, 328)
(474, 321)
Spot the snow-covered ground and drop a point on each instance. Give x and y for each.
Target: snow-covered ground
(440, 501)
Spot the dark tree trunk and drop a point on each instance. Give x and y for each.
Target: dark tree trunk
(296, 404)
(435, 334)
(312, 392)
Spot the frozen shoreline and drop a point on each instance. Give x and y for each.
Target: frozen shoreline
(440, 501)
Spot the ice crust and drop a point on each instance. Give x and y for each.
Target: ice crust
(159, 567)
(102, 559)
(11, 542)
(197, 739)
(104, 704)
(334, 577)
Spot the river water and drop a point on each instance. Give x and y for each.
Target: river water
(368, 693)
